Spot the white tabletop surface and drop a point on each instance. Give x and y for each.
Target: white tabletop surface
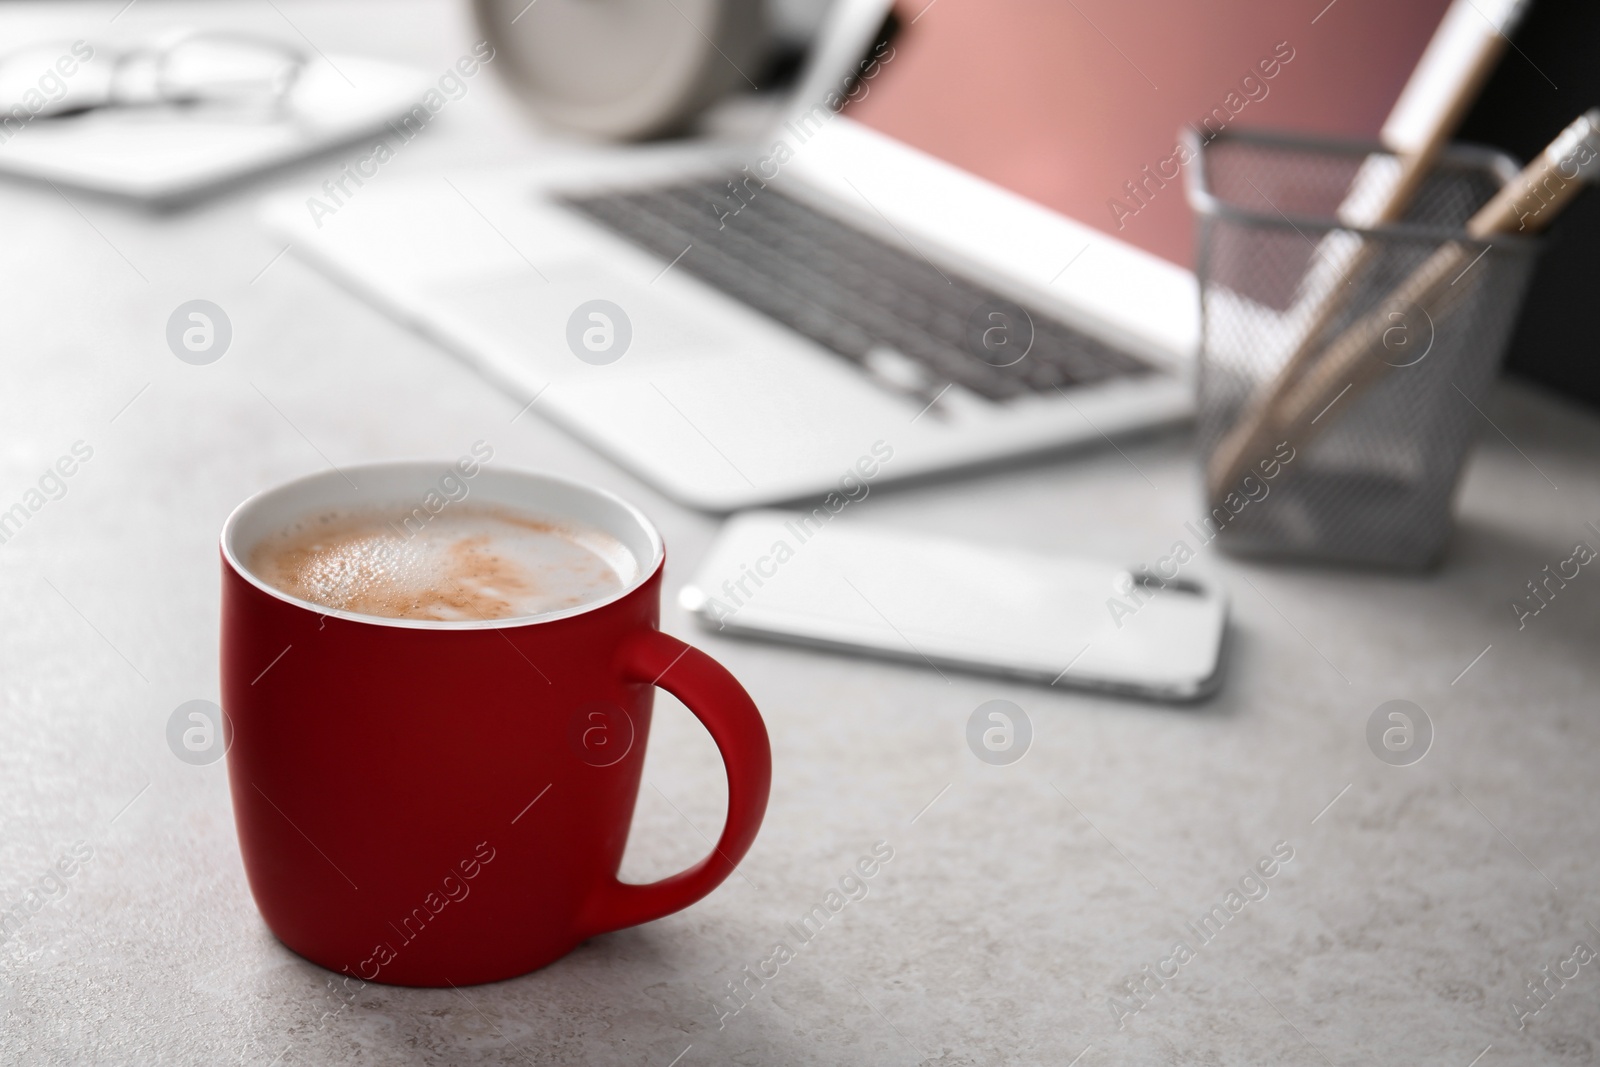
(1418, 903)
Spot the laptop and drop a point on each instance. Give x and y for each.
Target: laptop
(769, 321)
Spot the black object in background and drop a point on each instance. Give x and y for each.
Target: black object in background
(1550, 77)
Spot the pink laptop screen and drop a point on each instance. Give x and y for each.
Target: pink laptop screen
(1066, 101)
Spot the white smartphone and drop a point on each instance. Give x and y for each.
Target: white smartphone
(947, 603)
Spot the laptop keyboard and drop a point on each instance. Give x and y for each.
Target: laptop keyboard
(878, 304)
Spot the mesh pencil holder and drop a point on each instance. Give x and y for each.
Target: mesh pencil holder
(1282, 279)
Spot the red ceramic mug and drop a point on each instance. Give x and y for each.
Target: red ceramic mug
(432, 803)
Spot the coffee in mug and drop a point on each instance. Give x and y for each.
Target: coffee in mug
(468, 561)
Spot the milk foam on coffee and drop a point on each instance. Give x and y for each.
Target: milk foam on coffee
(469, 562)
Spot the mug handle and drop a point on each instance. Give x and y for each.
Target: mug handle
(721, 703)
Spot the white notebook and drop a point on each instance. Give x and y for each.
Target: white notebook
(165, 157)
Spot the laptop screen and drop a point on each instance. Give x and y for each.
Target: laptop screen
(1067, 102)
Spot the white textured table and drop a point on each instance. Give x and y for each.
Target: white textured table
(1418, 902)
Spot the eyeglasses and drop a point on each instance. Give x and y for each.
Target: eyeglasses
(235, 72)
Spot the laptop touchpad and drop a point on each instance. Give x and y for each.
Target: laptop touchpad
(557, 314)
